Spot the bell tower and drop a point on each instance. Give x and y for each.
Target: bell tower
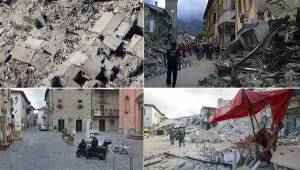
(171, 7)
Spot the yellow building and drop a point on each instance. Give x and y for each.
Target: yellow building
(220, 22)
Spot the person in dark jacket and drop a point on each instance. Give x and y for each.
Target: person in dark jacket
(181, 135)
(172, 62)
(172, 133)
(94, 145)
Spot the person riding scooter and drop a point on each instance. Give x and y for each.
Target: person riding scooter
(94, 145)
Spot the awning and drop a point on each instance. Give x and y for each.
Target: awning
(252, 101)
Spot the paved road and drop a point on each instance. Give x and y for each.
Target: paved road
(47, 151)
(187, 77)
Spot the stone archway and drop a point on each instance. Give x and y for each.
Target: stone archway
(139, 109)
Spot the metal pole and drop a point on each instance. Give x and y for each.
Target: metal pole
(250, 114)
(114, 162)
(131, 162)
(256, 147)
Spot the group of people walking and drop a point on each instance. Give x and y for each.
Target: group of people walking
(177, 134)
(208, 51)
(172, 59)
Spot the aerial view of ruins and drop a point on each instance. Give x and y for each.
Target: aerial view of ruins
(71, 43)
(218, 43)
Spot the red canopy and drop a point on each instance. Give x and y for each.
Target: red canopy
(255, 101)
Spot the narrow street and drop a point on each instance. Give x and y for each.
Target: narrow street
(187, 77)
(46, 150)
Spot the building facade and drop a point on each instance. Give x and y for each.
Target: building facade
(219, 19)
(131, 111)
(41, 116)
(248, 11)
(5, 117)
(152, 116)
(158, 21)
(105, 109)
(171, 7)
(206, 112)
(68, 108)
(22, 108)
(292, 118)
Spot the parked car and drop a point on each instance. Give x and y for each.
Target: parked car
(43, 127)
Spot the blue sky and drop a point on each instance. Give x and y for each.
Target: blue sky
(187, 9)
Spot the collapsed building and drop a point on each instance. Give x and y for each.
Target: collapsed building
(214, 148)
(71, 43)
(266, 51)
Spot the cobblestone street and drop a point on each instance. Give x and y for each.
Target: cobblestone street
(47, 151)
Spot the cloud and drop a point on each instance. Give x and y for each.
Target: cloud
(185, 102)
(35, 96)
(187, 9)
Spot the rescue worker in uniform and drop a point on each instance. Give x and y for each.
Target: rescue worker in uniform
(172, 133)
(172, 62)
(181, 135)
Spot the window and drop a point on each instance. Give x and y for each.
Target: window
(112, 121)
(215, 17)
(152, 26)
(101, 108)
(127, 105)
(79, 101)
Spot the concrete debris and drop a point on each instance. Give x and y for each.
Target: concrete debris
(265, 53)
(71, 43)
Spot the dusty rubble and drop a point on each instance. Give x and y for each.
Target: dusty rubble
(155, 50)
(71, 43)
(265, 53)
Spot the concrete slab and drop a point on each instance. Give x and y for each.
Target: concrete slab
(222, 146)
(113, 24)
(287, 156)
(23, 54)
(123, 29)
(136, 45)
(112, 41)
(33, 43)
(101, 24)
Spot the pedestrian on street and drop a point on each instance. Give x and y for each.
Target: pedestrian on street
(181, 135)
(172, 133)
(197, 52)
(183, 48)
(217, 49)
(172, 62)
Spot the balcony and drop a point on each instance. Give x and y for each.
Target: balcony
(106, 113)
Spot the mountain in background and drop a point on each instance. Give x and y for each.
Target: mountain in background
(193, 27)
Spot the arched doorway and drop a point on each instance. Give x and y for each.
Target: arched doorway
(139, 107)
(127, 117)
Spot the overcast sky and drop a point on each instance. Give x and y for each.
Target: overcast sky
(187, 9)
(35, 96)
(185, 102)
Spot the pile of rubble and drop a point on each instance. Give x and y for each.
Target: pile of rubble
(71, 43)
(229, 130)
(265, 53)
(155, 51)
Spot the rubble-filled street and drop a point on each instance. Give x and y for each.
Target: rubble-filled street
(254, 44)
(218, 139)
(71, 43)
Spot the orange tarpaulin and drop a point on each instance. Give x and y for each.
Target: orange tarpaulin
(252, 101)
